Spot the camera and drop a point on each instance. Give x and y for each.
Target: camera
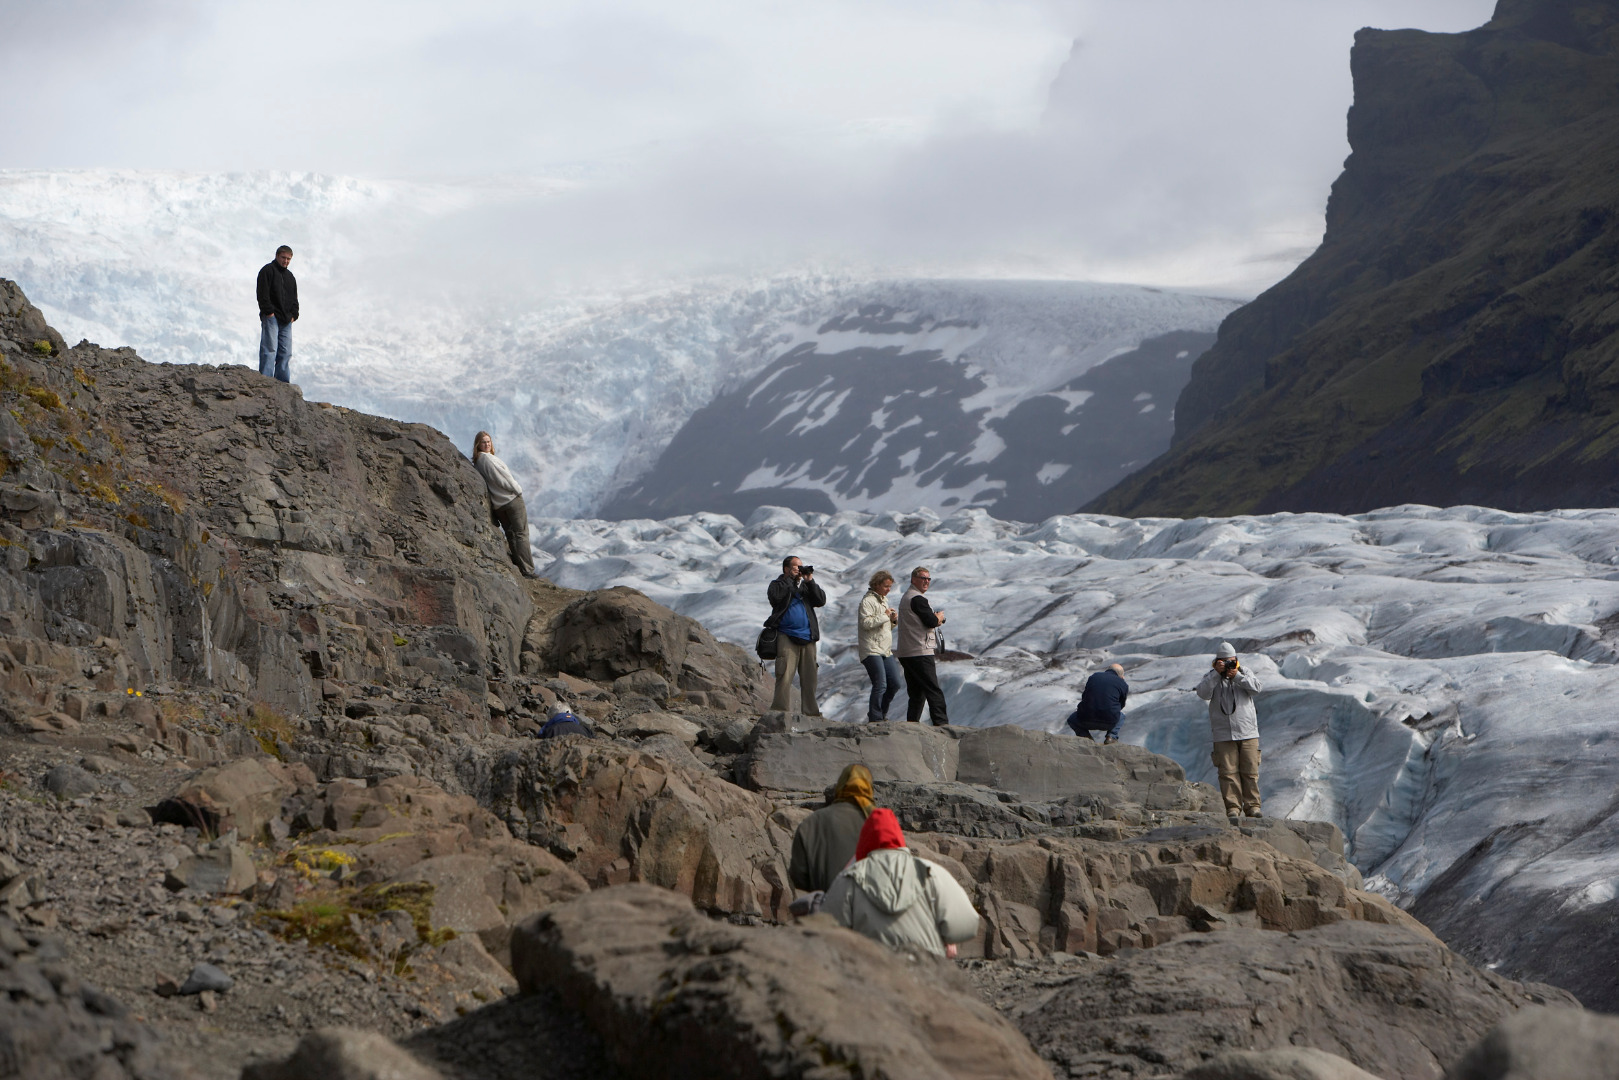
(806, 570)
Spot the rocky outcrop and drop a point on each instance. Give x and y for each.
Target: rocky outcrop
(1449, 342)
(1373, 995)
(794, 754)
(322, 585)
(805, 760)
(1065, 894)
(620, 815)
(676, 995)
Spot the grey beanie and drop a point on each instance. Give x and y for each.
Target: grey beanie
(1225, 651)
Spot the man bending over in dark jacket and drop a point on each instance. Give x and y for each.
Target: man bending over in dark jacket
(1101, 706)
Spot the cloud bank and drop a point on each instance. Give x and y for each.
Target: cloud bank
(1187, 143)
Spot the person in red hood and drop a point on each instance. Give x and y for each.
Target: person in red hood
(893, 895)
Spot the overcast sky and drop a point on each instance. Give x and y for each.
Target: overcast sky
(1187, 143)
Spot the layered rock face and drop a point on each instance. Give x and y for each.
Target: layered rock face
(206, 528)
(1452, 340)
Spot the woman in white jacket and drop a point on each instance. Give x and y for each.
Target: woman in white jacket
(876, 636)
(505, 501)
(893, 895)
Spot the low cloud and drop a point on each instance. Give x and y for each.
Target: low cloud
(1178, 142)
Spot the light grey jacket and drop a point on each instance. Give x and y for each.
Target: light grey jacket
(503, 486)
(902, 900)
(876, 632)
(1231, 705)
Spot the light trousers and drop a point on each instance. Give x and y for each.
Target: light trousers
(1237, 761)
(795, 658)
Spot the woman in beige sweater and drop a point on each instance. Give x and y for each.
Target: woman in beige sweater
(505, 501)
(876, 634)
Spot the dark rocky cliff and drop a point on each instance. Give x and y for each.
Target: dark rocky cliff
(1453, 339)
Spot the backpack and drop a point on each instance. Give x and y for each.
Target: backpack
(767, 645)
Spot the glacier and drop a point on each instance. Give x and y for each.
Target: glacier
(1440, 683)
(582, 386)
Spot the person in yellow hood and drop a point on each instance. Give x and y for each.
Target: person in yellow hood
(825, 841)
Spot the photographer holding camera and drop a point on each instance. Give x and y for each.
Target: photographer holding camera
(1234, 727)
(793, 599)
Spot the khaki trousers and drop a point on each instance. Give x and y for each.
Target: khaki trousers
(1238, 763)
(793, 658)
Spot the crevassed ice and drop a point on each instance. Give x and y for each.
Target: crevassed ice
(1431, 676)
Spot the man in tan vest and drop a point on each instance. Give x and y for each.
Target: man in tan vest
(918, 638)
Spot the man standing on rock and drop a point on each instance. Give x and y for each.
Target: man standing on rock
(1234, 727)
(793, 599)
(278, 310)
(918, 642)
(1101, 705)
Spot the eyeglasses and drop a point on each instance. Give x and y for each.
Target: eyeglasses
(924, 577)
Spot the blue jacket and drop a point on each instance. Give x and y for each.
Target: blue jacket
(1102, 703)
(563, 724)
(782, 591)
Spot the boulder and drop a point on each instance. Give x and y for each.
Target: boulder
(645, 725)
(70, 782)
(808, 761)
(244, 795)
(226, 868)
(645, 683)
(675, 994)
(616, 815)
(1545, 1044)
(620, 633)
(1393, 1001)
(1043, 767)
(343, 1054)
(206, 977)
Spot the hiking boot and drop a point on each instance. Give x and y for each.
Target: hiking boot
(1110, 740)
(1254, 813)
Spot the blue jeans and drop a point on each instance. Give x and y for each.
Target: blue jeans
(275, 349)
(884, 674)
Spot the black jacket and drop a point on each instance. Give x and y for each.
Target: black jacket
(278, 293)
(781, 591)
(1104, 697)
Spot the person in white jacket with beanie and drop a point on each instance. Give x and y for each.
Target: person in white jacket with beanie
(1234, 731)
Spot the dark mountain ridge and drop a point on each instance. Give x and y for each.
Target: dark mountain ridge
(1453, 338)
